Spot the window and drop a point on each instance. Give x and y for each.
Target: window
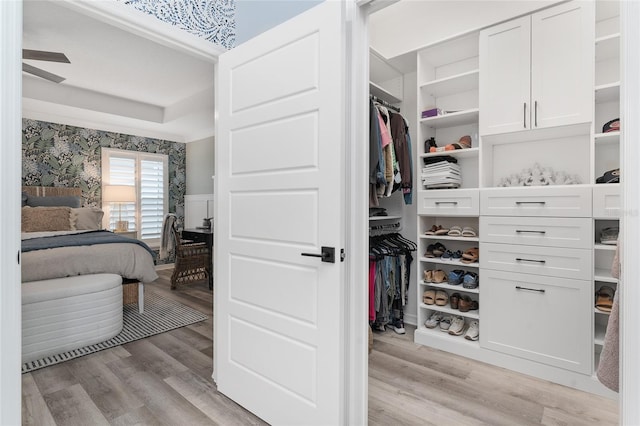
(148, 174)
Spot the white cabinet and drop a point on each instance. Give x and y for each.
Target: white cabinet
(544, 319)
(537, 71)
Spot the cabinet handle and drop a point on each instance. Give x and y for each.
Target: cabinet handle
(531, 202)
(437, 203)
(519, 259)
(535, 113)
(531, 232)
(537, 290)
(524, 115)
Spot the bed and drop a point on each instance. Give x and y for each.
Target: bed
(54, 248)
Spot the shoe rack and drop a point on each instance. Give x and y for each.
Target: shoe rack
(606, 156)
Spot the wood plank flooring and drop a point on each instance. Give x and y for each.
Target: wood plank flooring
(166, 380)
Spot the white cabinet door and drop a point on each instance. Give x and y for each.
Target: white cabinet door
(279, 187)
(544, 319)
(505, 69)
(562, 51)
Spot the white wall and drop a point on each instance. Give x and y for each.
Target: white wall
(200, 166)
(409, 25)
(256, 16)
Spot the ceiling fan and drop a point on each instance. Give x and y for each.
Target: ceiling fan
(41, 55)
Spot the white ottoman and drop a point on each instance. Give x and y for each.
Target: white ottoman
(62, 314)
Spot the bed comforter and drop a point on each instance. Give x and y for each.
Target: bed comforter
(125, 258)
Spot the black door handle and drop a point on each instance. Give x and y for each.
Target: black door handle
(328, 254)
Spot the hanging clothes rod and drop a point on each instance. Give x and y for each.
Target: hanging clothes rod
(384, 103)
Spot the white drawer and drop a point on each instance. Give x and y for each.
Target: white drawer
(449, 202)
(567, 201)
(543, 319)
(606, 201)
(551, 261)
(538, 231)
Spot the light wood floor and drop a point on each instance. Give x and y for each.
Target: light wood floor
(166, 380)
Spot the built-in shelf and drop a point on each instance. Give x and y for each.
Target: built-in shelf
(380, 218)
(431, 334)
(607, 47)
(447, 309)
(460, 153)
(598, 335)
(604, 275)
(451, 85)
(453, 119)
(601, 312)
(609, 92)
(383, 94)
(457, 263)
(448, 237)
(446, 286)
(607, 138)
(605, 247)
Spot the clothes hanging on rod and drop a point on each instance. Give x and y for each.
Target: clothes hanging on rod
(384, 103)
(391, 166)
(389, 271)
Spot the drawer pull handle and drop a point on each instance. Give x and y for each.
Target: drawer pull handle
(437, 203)
(537, 290)
(519, 231)
(531, 202)
(519, 259)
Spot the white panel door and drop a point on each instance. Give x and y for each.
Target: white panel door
(279, 173)
(562, 58)
(505, 73)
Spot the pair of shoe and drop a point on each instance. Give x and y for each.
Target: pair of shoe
(467, 231)
(435, 297)
(471, 255)
(437, 230)
(463, 303)
(468, 279)
(451, 255)
(437, 276)
(453, 325)
(463, 142)
(435, 250)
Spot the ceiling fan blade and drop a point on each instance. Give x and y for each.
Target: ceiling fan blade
(41, 55)
(42, 73)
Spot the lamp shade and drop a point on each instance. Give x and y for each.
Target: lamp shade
(118, 193)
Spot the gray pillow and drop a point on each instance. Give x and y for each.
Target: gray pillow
(24, 198)
(64, 201)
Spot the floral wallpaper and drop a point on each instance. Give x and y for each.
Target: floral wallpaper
(213, 20)
(62, 155)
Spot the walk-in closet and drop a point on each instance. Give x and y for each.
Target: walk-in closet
(514, 122)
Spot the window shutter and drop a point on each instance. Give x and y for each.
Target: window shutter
(151, 198)
(122, 171)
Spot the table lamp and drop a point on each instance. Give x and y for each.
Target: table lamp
(119, 194)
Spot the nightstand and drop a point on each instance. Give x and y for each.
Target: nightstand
(129, 234)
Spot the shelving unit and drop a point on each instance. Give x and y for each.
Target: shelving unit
(457, 83)
(445, 286)
(453, 119)
(447, 237)
(458, 153)
(383, 218)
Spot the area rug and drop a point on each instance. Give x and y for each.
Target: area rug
(160, 315)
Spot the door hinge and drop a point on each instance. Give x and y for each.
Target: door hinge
(18, 257)
(342, 255)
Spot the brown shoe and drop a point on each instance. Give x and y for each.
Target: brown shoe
(439, 276)
(467, 304)
(454, 299)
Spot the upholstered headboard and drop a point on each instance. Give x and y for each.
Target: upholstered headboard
(51, 191)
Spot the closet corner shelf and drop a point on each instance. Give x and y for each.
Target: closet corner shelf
(607, 138)
(460, 153)
(605, 247)
(458, 83)
(380, 218)
(607, 46)
(383, 93)
(609, 92)
(447, 237)
(454, 119)
(604, 275)
(446, 286)
(456, 263)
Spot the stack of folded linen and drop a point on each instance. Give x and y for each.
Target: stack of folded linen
(441, 172)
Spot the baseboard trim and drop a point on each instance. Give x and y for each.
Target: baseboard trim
(165, 266)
